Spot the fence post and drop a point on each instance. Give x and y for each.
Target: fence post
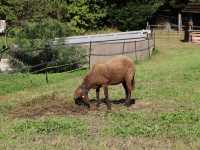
(149, 47)
(135, 50)
(46, 74)
(90, 53)
(46, 70)
(154, 39)
(123, 47)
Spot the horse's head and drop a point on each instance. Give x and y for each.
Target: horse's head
(81, 95)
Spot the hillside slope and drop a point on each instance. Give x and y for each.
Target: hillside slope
(34, 115)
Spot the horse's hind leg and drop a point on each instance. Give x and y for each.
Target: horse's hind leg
(125, 89)
(106, 97)
(97, 96)
(129, 86)
(128, 99)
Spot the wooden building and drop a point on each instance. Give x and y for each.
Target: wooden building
(192, 13)
(178, 18)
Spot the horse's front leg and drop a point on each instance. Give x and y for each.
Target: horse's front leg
(107, 101)
(86, 102)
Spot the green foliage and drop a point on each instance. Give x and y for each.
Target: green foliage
(84, 14)
(76, 56)
(34, 46)
(81, 15)
(33, 36)
(131, 15)
(6, 11)
(68, 58)
(44, 29)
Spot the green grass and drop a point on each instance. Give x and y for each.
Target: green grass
(68, 126)
(166, 124)
(166, 114)
(12, 83)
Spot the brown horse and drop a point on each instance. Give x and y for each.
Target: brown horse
(119, 69)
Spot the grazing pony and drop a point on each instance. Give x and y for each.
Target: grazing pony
(119, 69)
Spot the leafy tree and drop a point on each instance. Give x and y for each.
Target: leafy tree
(131, 15)
(34, 46)
(82, 15)
(5, 10)
(177, 4)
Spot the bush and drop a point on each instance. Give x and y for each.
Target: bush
(34, 46)
(71, 57)
(68, 58)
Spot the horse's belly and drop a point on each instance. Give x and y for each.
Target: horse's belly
(116, 81)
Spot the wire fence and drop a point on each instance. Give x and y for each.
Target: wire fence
(94, 51)
(138, 49)
(173, 27)
(186, 34)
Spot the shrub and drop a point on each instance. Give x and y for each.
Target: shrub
(68, 58)
(34, 46)
(71, 57)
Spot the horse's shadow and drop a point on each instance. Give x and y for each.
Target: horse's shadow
(117, 102)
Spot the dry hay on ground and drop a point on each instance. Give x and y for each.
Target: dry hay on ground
(52, 105)
(47, 105)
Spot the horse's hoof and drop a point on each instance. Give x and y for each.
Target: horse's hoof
(88, 106)
(133, 101)
(127, 104)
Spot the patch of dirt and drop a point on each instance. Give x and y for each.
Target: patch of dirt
(3, 98)
(48, 105)
(140, 105)
(52, 105)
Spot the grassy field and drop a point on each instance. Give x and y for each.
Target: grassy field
(36, 115)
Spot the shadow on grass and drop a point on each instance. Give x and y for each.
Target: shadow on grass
(117, 102)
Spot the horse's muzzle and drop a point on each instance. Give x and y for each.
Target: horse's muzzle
(78, 101)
